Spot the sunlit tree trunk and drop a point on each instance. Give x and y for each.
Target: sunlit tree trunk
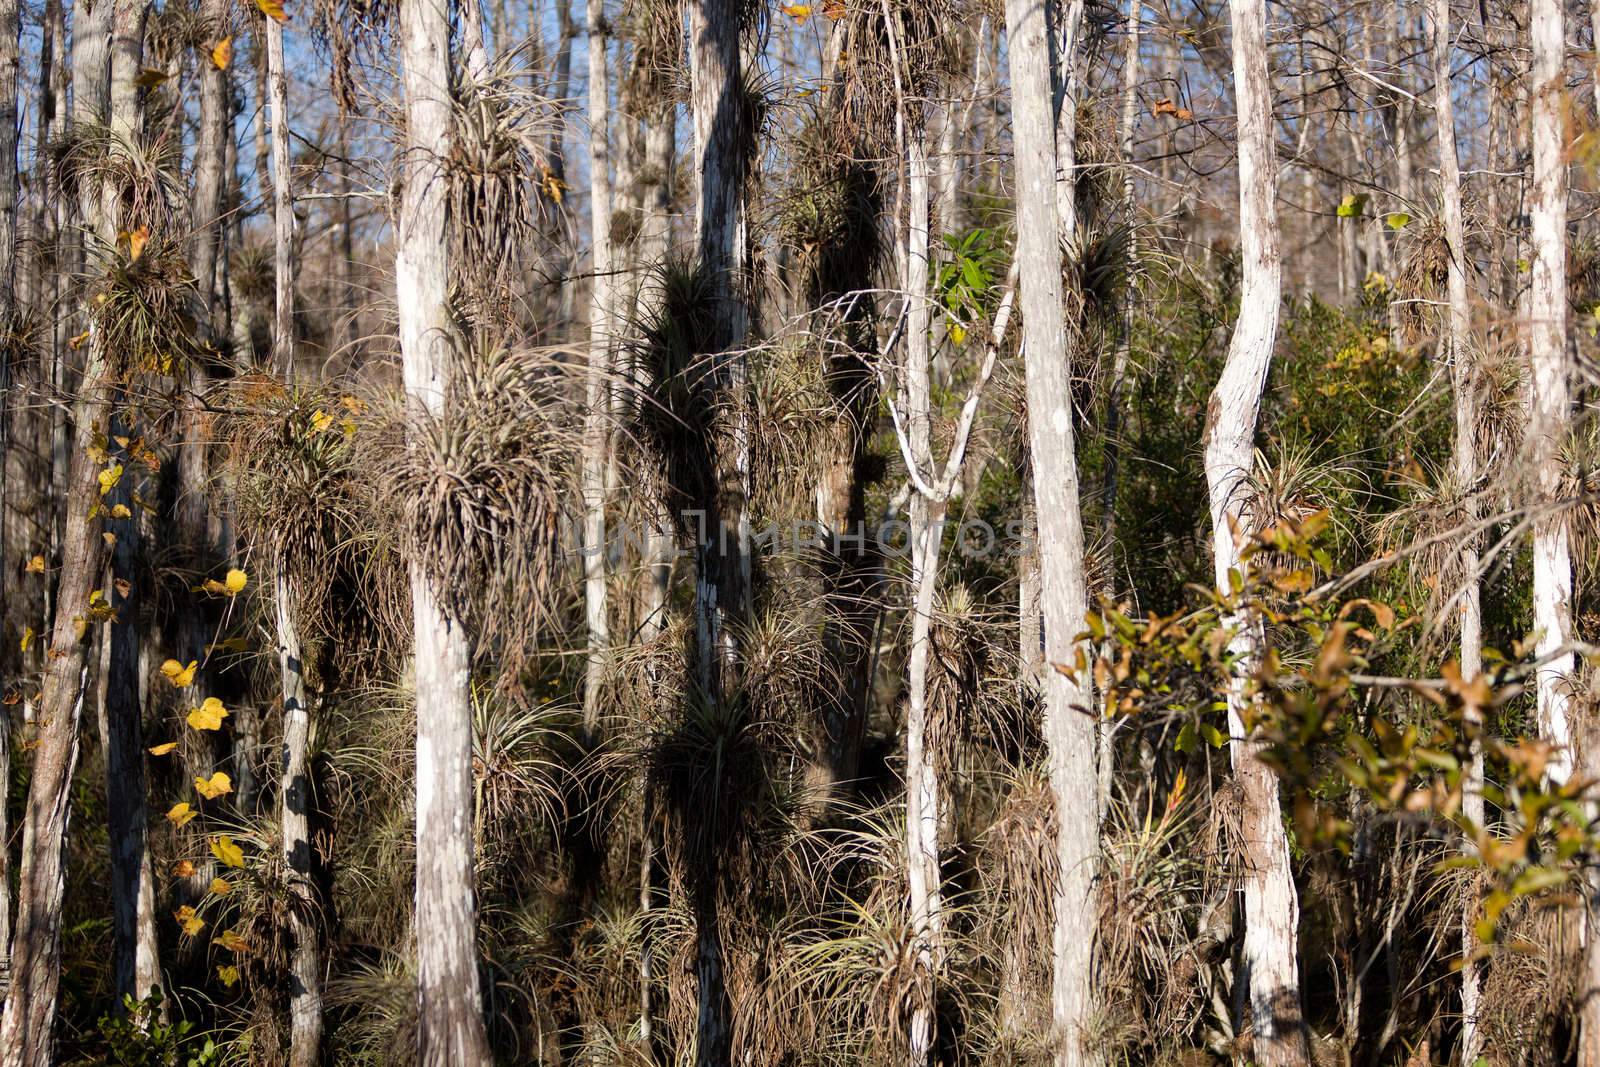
(1271, 907)
(1068, 74)
(1457, 347)
(927, 517)
(296, 794)
(26, 1032)
(597, 391)
(283, 247)
(1550, 400)
(450, 1028)
(1069, 722)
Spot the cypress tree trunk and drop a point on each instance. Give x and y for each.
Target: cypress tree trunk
(1069, 725)
(1271, 907)
(926, 526)
(135, 964)
(26, 1032)
(10, 46)
(450, 1030)
(295, 797)
(1550, 393)
(596, 439)
(1457, 347)
(283, 265)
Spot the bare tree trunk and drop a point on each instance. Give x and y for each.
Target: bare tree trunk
(561, 85)
(922, 784)
(1270, 964)
(596, 439)
(1065, 89)
(283, 265)
(26, 1032)
(136, 963)
(475, 51)
(1464, 467)
(716, 101)
(1550, 401)
(1069, 722)
(10, 66)
(450, 1030)
(10, 62)
(295, 797)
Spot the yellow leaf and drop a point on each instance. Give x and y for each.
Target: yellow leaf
(27, 638)
(222, 54)
(139, 237)
(553, 186)
(79, 341)
(109, 478)
(230, 940)
(958, 333)
(190, 921)
(273, 9)
(120, 511)
(224, 849)
(209, 715)
(356, 406)
(215, 786)
(229, 975)
(221, 886)
(183, 869)
(163, 748)
(36, 565)
(320, 420)
(798, 12)
(235, 582)
(180, 676)
(109, 538)
(180, 813)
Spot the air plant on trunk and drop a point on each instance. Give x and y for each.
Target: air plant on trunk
(482, 486)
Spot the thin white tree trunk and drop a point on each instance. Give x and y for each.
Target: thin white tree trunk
(450, 1028)
(1457, 348)
(927, 516)
(295, 795)
(1550, 391)
(1065, 89)
(1069, 722)
(283, 265)
(1271, 908)
(596, 439)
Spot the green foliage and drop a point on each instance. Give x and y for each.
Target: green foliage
(139, 1036)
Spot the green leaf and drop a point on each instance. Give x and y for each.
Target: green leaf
(1397, 220)
(1353, 206)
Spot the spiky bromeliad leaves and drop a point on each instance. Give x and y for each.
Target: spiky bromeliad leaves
(482, 486)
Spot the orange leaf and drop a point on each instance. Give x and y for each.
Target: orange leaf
(222, 54)
(273, 9)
